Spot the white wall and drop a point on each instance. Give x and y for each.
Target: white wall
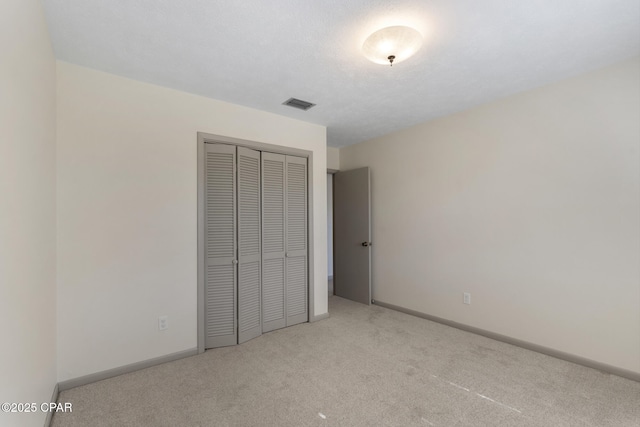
(127, 205)
(27, 209)
(333, 158)
(531, 203)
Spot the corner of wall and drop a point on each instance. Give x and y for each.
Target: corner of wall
(28, 221)
(333, 158)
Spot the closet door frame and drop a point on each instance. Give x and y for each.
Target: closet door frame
(205, 138)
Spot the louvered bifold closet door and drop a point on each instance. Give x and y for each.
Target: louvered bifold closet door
(249, 242)
(220, 245)
(273, 242)
(296, 241)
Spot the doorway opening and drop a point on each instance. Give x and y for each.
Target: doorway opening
(330, 249)
(351, 231)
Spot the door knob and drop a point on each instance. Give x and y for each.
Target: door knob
(365, 244)
(235, 261)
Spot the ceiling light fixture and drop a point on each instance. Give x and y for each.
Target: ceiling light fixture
(392, 44)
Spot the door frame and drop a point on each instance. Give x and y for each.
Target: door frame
(207, 138)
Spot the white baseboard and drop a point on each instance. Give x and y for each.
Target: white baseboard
(519, 343)
(54, 398)
(110, 373)
(320, 317)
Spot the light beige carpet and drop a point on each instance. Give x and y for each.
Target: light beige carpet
(364, 366)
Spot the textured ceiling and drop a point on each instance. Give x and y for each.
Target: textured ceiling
(259, 53)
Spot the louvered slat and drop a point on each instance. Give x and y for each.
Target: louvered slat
(220, 215)
(273, 289)
(296, 286)
(249, 205)
(296, 207)
(273, 182)
(296, 241)
(219, 296)
(220, 245)
(249, 296)
(249, 268)
(273, 241)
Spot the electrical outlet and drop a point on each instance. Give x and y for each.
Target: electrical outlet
(163, 323)
(467, 298)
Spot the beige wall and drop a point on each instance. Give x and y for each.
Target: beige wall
(333, 158)
(27, 209)
(127, 205)
(531, 204)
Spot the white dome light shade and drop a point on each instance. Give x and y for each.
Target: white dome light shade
(392, 45)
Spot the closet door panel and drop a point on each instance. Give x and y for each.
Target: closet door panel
(249, 319)
(249, 253)
(296, 241)
(220, 246)
(296, 290)
(273, 293)
(273, 242)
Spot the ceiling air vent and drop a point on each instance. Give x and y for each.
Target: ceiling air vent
(298, 103)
